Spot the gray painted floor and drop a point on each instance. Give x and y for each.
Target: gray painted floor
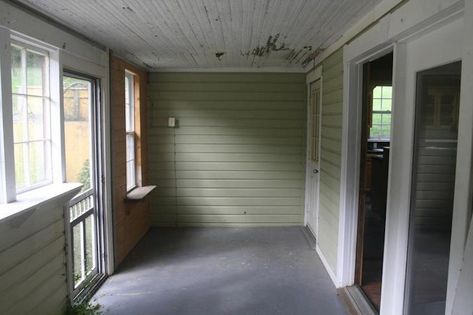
(221, 271)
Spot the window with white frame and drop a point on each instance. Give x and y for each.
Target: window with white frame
(380, 128)
(130, 131)
(31, 116)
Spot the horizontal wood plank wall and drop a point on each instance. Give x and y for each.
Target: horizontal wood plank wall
(330, 164)
(237, 154)
(32, 262)
(435, 184)
(131, 219)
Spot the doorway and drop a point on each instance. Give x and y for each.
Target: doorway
(374, 176)
(84, 165)
(313, 156)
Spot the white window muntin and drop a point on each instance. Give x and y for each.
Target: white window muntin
(383, 111)
(8, 192)
(23, 95)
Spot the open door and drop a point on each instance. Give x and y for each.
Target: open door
(374, 170)
(83, 165)
(313, 156)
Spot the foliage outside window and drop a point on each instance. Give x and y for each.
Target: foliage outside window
(381, 113)
(76, 99)
(130, 131)
(31, 117)
(77, 96)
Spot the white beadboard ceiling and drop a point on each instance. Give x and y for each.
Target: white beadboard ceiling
(210, 34)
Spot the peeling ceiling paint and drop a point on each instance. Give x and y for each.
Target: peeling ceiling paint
(181, 34)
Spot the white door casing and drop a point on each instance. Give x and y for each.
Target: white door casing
(444, 33)
(439, 47)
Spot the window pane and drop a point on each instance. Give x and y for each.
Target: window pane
(377, 119)
(37, 162)
(375, 131)
(130, 164)
(387, 92)
(129, 102)
(387, 103)
(130, 147)
(19, 118)
(127, 119)
(387, 119)
(127, 90)
(432, 196)
(130, 175)
(32, 146)
(377, 104)
(78, 260)
(20, 171)
(17, 73)
(77, 127)
(448, 110)
(89, 244)
(130, 136)
(36, 70)
(35, 118)
(385, 132)
(377, 92)
(381, 116)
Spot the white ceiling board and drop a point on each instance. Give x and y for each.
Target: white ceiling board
(210, 34)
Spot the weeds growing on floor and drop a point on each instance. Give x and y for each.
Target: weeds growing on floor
(84, 308)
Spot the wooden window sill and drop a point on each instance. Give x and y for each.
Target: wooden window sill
(139, 193)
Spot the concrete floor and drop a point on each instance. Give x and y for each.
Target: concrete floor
(221, 271)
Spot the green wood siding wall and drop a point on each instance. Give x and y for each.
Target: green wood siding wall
(32, 262)
(237, 156)
(330, 165)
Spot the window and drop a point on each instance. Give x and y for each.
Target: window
(130, 131)
(315, 120)
(31, 116)
(380, 127)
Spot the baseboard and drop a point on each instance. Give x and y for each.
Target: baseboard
(223, 225)
(327, 266)
(309, 236)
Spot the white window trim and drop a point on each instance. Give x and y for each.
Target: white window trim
(47, 138)
(9, 193)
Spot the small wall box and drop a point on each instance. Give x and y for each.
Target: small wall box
(171, 122)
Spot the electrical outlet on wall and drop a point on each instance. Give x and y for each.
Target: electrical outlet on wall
(172, 122)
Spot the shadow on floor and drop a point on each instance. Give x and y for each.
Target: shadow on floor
(221, 271)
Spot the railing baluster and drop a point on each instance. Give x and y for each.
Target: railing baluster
(80, 211)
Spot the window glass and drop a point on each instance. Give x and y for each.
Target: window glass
(78, 124)
(381, 114)
(31, 127)
(433, 189)
(130, 131)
